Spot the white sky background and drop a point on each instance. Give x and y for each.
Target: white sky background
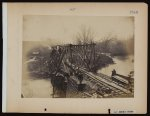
(63, 29)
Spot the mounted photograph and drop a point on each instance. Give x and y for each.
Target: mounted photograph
(75, 58)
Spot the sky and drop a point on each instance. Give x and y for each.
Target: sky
(64, 29)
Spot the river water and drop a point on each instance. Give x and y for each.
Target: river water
(122, 65)
(37, 88)
(42, 88)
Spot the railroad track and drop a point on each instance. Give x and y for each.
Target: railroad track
(101, 80)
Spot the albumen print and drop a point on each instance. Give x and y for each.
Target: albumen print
(77, 56)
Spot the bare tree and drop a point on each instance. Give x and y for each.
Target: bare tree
(105, 44)
(85, 36)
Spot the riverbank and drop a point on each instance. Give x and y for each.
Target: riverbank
(102, 61)
(122, 65)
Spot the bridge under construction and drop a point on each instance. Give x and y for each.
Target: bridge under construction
(74, 63)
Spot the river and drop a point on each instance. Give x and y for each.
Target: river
(42, 88)
(122, 65)
(37, 88)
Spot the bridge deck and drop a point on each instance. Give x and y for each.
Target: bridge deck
(102, 79)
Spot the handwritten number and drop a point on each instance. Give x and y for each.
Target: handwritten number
(72, 9)
(133, 11)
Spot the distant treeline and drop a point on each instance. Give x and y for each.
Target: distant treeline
(116, 47)
(101, 61)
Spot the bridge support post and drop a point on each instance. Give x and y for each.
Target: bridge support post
(70, 53)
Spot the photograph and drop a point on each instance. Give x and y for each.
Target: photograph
(77, 56)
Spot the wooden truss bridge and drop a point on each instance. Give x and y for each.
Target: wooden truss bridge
(80, 58)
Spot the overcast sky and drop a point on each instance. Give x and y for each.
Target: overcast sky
(64, 28)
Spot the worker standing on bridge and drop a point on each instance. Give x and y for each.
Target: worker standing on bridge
(53, 51)
(113, 72)
(66, 75)
(80, 77)
(59, 50)
(65, 83)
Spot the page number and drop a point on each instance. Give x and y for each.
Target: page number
(133, 11)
